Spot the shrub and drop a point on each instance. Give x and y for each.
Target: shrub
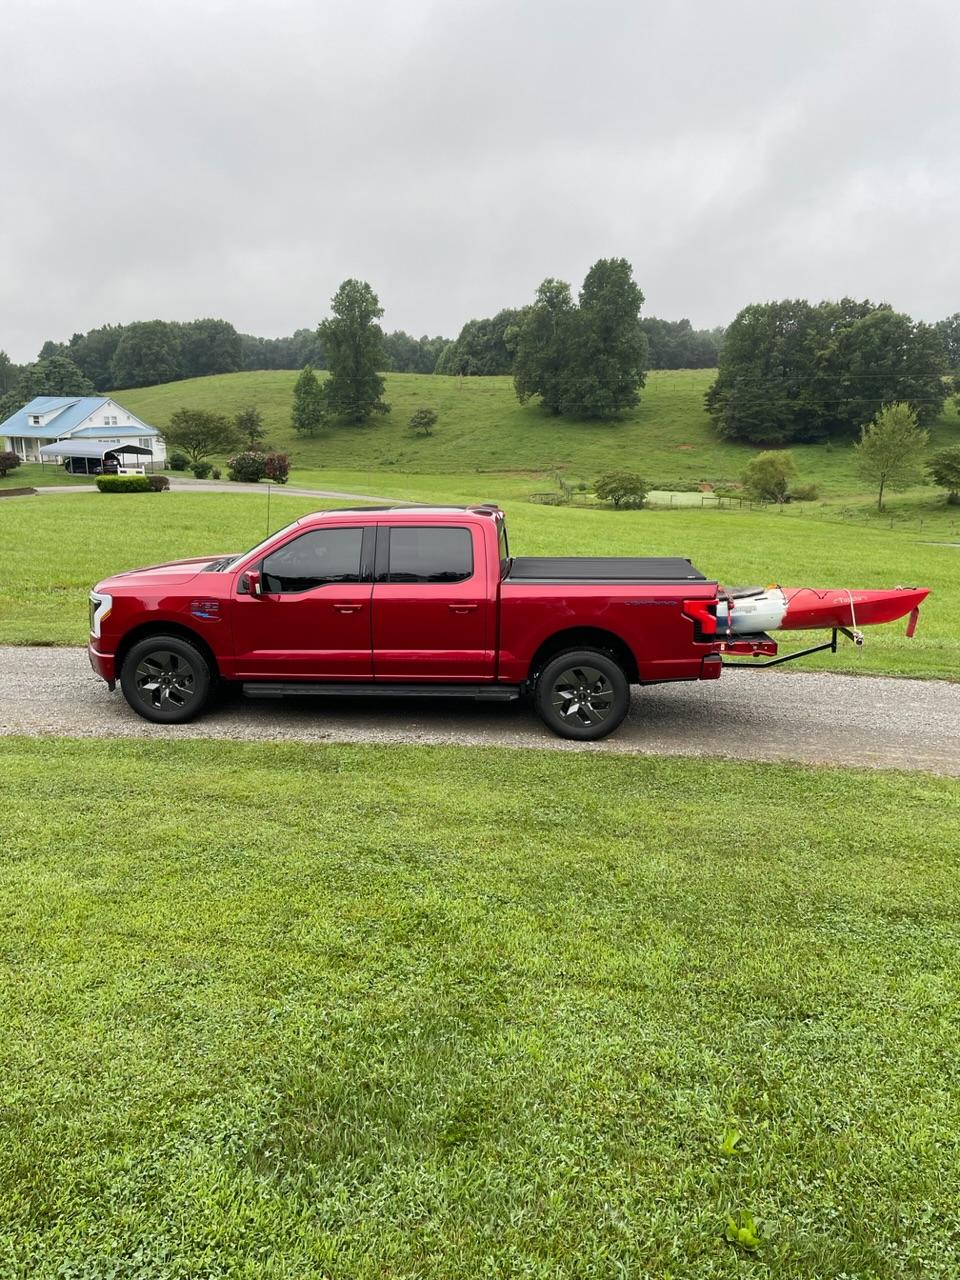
(247, 467)
(158, 483)
(201, 469)
(124, 484)
(622, 488)
(216, 473)
(944, 468)
(178, 461)
(276, 467)
(423, 421)
(804, 493)
(767, 476)
(8, 461)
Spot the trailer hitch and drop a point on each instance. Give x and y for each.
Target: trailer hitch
(830, 646)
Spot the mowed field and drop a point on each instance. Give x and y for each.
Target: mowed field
(68, 542)
(481, 427)
(282, 1011)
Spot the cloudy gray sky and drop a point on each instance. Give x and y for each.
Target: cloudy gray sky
(239, 158)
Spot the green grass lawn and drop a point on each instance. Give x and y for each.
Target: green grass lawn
(33, 474)
(66, 543)
(279, 1011)
(482, 427)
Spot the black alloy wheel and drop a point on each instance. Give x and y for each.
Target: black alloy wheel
(166, 679)
(582, 694)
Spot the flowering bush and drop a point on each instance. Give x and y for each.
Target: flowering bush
(277, 467)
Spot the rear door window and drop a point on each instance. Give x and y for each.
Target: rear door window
(320, 558)
(429, 554)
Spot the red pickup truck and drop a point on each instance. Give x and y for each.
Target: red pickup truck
(423, 601)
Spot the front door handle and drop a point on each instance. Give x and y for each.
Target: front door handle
(348, 608)
(461, 608)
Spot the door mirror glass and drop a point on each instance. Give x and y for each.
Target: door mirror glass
(250, 583)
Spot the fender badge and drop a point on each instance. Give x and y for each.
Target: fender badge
(206, 610)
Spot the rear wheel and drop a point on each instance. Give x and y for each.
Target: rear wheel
(166, 679)
(582, 694)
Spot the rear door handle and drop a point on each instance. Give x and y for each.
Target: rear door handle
(348, 608)
(461, 608)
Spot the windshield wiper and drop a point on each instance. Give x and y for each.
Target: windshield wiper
(217, 566)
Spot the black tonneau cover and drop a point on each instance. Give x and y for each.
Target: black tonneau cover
(570, 569)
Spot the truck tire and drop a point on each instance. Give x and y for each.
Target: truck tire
(166, 679)
(582, 694)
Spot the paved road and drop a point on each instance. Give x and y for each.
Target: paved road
(183, 484)
(813, 718)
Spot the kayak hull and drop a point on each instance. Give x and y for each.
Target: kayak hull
(811, 609)
(808, 609)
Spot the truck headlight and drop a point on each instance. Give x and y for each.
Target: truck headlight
(100, 606)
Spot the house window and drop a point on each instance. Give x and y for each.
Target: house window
(109, 419)
(35, 420)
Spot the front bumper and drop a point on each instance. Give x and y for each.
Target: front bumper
(102, 663)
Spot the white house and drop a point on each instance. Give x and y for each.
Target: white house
(82, 432)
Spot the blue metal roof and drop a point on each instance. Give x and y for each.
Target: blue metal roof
(108, 433)
(68, 413)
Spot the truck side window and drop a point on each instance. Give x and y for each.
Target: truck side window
(315, 559)
(437, 554)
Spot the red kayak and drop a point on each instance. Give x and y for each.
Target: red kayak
(754, 609)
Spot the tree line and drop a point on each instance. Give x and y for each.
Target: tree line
(787, 371)
(801, 371)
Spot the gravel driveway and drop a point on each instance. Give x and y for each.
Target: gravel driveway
(812, 718)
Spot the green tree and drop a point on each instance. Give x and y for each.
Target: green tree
(249, 424)
(8, 460)
(199, 433)
(9, 374)
(544, 346)
(483, 347)
(148, 352)
(675, 344)
(767, 477)
(309, 407)
(93, 352)
(584, 361)
(622, 488)
(791, 371)
(944, 468)
(423, 421)
(948, 332)
(353, 342)
(889, 452)
(607, 364)
(209, 346)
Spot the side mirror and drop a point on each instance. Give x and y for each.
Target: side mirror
(250, 583)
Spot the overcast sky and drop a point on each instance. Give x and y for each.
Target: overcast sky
(185, 158)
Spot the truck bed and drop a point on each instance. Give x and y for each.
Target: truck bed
(612, 569)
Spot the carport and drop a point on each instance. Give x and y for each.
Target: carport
(91, 457)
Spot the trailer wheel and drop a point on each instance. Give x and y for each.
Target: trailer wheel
(166, 679)
(582, 694)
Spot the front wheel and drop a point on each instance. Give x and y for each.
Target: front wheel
(166, 679)
(582, 694)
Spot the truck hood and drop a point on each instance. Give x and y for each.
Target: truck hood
(171, 574)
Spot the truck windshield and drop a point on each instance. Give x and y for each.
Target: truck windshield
(224, 563)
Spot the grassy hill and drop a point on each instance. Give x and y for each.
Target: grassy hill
(668, 440)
